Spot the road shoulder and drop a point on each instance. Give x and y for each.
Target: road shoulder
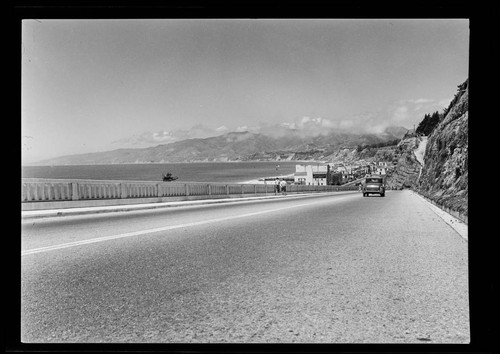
(459, 226)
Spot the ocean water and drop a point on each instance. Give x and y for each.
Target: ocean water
(220, 172)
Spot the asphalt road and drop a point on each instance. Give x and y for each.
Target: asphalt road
(336, 268)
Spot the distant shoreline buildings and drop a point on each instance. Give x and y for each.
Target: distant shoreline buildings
(321, 174)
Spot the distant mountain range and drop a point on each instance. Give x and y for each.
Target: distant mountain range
(288, 144)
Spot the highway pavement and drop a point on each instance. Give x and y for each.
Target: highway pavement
(323, 268)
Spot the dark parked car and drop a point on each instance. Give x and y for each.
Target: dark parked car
(374, 185)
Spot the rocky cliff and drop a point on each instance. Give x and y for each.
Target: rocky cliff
(407, 168)
(444, 176)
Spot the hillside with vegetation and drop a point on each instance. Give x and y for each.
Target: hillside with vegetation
(433, 159)
(444, 176)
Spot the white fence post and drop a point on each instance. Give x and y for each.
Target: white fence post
(123, 190)
(74, 191)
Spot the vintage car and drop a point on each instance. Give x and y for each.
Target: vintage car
(374, 185)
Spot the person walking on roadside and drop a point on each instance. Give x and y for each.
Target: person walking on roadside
(283, 187)
(276, 186)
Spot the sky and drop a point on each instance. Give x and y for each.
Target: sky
(97, 85)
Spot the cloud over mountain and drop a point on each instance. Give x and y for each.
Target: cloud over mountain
(149, 138)
(402, 113)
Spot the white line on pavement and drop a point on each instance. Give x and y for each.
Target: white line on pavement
(167, 228)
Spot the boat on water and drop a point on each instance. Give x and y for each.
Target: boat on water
(169, 178)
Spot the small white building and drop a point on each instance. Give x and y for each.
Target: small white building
(381, 168)
(312, 175)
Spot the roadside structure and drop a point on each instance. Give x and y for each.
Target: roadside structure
(321, 174)
(312, 175)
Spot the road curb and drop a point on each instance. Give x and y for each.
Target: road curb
(48, 213)
(457, 224)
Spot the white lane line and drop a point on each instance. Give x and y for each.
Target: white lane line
(165, 228)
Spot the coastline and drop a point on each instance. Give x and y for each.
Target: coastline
(41, 164)
(231, 173)
(263, 180)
